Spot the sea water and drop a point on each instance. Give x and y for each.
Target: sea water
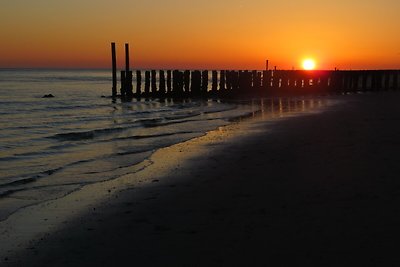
(50, 147)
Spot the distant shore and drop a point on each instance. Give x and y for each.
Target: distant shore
(320, 189)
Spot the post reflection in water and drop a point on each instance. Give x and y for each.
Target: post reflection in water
(280, 107)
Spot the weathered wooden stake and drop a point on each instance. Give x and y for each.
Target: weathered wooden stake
(147, 83)
(204, 82)
(114, 70)
(196, 83)
(153, 83)
(214, 86)
(126, 57)
(138, 83)
(186, 81)
(162, 83)
(123, 84)
(169, 81)
(222, 80)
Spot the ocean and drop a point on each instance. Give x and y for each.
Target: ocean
(50, 147)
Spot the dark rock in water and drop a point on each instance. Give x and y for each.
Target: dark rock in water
(48, 96)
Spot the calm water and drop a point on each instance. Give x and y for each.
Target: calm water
(50, 147)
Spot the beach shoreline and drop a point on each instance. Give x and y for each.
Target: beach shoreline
(258, 192)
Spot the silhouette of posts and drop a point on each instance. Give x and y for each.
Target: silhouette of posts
(162, 83)
(114, 70)
(268, 82)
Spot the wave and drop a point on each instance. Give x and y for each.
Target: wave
(77, 136)
(32, 178)
(136, 137)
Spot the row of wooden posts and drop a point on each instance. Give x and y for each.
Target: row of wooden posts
(231, 83)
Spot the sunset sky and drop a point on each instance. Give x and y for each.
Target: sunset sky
(219, 34)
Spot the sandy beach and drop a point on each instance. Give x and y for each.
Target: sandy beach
(318, 189)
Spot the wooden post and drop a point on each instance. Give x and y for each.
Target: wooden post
(387, 80)
(186, 81)
(138, 83)
(169, 81)
(126, 57)
(114, 70)
(153, 83)
(235, 81)
(228, 78)
(129, 86)
(222, 80)
(147, 83)
(204, 82)
(177, 83)
(396, 83)
(123, 84)
(214, 87)
(196, 83)
(364, 75)
(162, 83)
(128, 74)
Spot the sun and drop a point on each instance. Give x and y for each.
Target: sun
(309, 64)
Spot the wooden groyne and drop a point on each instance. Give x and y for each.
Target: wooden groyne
(245, 83)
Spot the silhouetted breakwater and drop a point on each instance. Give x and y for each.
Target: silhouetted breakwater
(245, 83)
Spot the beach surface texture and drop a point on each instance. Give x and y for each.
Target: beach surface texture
(315, 189)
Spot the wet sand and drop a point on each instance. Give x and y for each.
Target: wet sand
(321, 189)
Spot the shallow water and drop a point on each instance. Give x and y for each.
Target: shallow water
(52, 146)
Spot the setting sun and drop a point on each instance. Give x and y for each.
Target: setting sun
(308, 64)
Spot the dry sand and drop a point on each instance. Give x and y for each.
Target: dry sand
(321, 189)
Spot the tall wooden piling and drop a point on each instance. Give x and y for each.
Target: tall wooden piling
(126, 57)
(128, 75)
(114, 70)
